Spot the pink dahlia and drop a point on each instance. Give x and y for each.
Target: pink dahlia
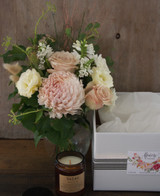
(63, 93)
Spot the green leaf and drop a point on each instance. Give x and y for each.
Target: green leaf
(86, 80)
(109, 61)
(67, 134)
(16, 106)
(24, 68)
(81, 36)
(62, 124)
(44, 128)
(13, 94)
(39, 37)
(38, 116)
(31, 40)
(33, 101)
(54, 137)
(91, 40)
(96, 25)
(68, 32)
(96, 48)
(28, 121)
(51, 42)
(37, 138)
(43, 125)
(16, 54)
(89, 26)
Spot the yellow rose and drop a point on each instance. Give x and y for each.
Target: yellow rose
(101, 76)
(28, 83)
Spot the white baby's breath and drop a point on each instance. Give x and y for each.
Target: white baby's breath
(43, 51)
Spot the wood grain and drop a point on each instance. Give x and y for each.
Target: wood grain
(136, 53)
(23, 166)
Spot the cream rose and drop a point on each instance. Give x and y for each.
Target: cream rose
(63, 61)
(101, 76)
(98, 96)
(28, 83)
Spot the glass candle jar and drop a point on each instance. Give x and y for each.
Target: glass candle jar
(70, 173)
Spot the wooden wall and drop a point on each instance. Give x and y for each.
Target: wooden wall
(136, 53)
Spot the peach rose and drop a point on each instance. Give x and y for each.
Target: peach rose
(97, 96)
(63, 61)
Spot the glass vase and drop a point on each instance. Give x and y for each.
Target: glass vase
(82, 138)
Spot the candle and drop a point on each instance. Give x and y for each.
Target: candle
(70, 160)
(70, 173)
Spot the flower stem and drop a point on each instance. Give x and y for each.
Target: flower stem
(14, 117)
(26, 113)
(51, 8)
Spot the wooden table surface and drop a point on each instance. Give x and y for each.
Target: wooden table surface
(23, 166)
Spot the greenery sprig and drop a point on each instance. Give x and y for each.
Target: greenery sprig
(50, 8)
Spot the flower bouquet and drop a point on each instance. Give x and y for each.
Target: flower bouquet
(57, 83)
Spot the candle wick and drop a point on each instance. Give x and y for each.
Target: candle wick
(70, 162)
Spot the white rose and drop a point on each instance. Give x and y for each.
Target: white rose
(101, 76)
(28, 83)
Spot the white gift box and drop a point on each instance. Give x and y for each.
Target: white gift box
(111, 168)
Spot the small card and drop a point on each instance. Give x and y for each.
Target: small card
(143, 163)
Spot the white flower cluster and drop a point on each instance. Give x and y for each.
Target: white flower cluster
(85, 67)
(101, 63)
(44, 50)
(77, 45)
(85, 63)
